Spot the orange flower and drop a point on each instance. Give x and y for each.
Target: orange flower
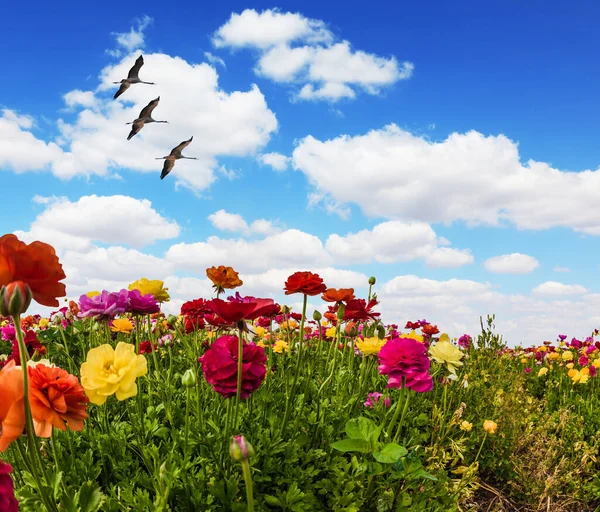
(35, 264)
(27, 322)
(339, 295)
(56, 397)
(74, 307)
(12, 405)
(430, 330)
(223, 277)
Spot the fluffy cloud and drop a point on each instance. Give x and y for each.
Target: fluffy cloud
(392, 173)
(67, 224)
(234, 222)
(559, 289)
(302, 51)
(132, 40)
(277, 161)
(515, 263)
(237, 123)
(395, 241)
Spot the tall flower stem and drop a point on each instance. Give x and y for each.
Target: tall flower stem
(404, 409)
(399, 405)
(240, 361)
(31, 439)
(248, 482)
(481, 446)
(290, 397)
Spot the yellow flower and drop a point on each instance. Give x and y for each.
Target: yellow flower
(567, 356)
(330, 333)
(107, 371)
(569, 365)
(523, 360)
(155, 288)
(260, 331)
(370, 346)
(596, 363)
(123, 325)
(542, 348)
(261, 344)
(92, 294)
(553, 356)
(44, 322)
(445, 352)
(280, 346)
(543, 371)
(466, 426)
(579, 376)
(444, 337)
(324, 322)
(413, 335)
(490, 426)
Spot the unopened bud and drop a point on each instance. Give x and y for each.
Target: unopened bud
(317, 316)
(285, 310)
(380, 332)
(372, 280)
(189, 378)
(340, 312)
(15, 298)
(172, 319)
(59, 347)
(351, 329)
(240, 449)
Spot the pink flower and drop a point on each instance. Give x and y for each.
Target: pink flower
(103, 306)
(405, 360)
(583, 361)
(593, 371)
(8, 502)
(139, 304)
(373, 398)
(220, 365)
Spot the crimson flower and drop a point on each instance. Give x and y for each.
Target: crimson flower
(233, 312)
(8, 502)
(359, 311)
(304, 282)
(220, 366)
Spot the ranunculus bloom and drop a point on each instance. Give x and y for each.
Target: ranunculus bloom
(490, 426)
(32, 344)
(57, 399)
(444, 352)
(429, 329)
(142, 304)
(220, 366)
(103, 306)
(304, 282)
(123, 325)
(223, 278)
(370, 346)
(146, 347)
(153, 287)
(358, 310)
(35, 264)
(12, 405)
(338, 295)
(8, 502)
(233, 312)
(406, 358)
(109, 371)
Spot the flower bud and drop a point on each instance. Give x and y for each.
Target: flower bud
(172, 319)
(380, 332)
(240, 449)
(317, 316)
(15, 298)
(351, 329)
(340, 312)
(189, 378)
(372, 280)
(285, 310)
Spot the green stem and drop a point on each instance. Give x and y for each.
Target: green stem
(397, 410)
(248, 481)
(481, 446)
(240, 361)
(404, 409)
(187, 425)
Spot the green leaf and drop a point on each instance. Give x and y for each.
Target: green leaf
(390, 453)
(352, 445)
(272, 500)
(362, 428)
(90, 497)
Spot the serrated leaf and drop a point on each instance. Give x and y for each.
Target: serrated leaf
(390, 453)
(90, 497)
(352, 445)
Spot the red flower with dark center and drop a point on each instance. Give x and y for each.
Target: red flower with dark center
(220, 366)
(306, 283)
(359, 311)
(338, 295)
(233, 312)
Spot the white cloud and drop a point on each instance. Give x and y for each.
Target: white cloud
(132, 40)
(561, 269)
(392, 173)
(213, 59)
(235, 223)
(223, 124)
(110, 219)
(277, 161)
(395, 241)
(515, 263)
(302, 51)
(556, 288)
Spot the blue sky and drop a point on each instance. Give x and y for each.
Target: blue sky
(365, 125)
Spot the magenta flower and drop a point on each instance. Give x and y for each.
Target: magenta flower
(141, 304)
(8, 332)
(104, 306)
(465, 341)
(373, 398)
(8, 502)
(405, 359)
(527, 370)
(575, 343)
(583, 361)
(562, 337)
(593, 371)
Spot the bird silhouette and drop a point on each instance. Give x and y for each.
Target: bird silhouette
(175, 154)
(132, 78)
(144, 118)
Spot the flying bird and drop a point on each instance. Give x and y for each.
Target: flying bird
(175, 154)
(145, 117)
(132, 78)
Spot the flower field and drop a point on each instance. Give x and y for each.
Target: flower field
(123, 407)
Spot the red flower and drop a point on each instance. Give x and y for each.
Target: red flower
(35, 264)
(220, 365)
(8, 502)
(214, 320)
(57, 400)
(430, 330)
(338, 295)
(31, 343)
(194, 308)
(306, 283)
(359, 311)
(146, 347)
(413, 325)
(233, 312)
